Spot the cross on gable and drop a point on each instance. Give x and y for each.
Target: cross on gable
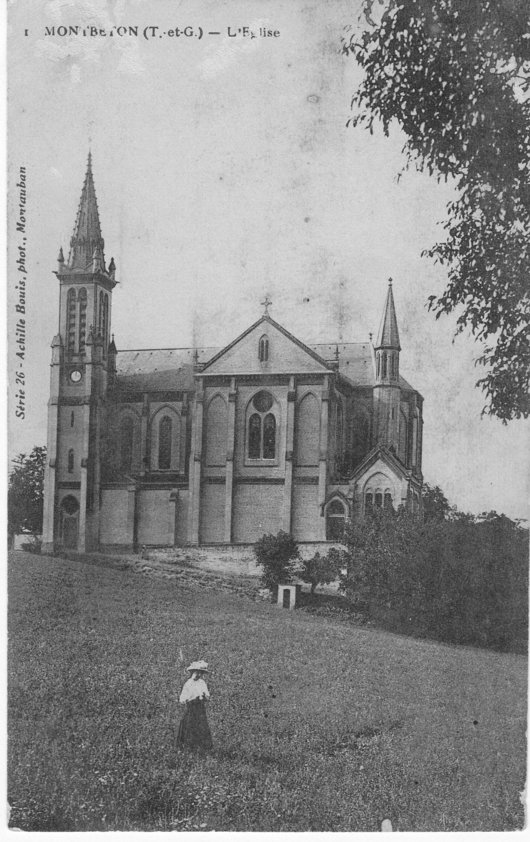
(266, 303)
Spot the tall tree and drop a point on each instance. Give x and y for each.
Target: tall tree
(455, 76)
(435, 503)
(26, 493)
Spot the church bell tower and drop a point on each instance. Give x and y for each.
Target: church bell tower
(79, 369)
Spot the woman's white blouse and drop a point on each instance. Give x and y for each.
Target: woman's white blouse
(194, 689)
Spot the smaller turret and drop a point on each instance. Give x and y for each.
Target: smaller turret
(387, 393)
(60, 260)
(387, 347)
(112, 353)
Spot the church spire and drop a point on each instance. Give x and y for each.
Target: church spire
(388, 336)
(387, 392)
(87, 231)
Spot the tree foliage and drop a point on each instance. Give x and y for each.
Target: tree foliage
(455, 76)
(277, 556)
(321, 569)
(26, 493)
(456, 580)
(435, 503)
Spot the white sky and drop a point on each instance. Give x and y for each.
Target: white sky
(224, 169)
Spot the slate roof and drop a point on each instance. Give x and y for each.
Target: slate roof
(388, 336)
(87, 230)
(159, 369)
(171, 369)
(355, 362)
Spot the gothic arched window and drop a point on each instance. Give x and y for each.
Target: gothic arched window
(261, 427)
(105, 326)
(165, 429)
(415, 430)
(307, 435)
(403, 438)
(384, 365)
(103, 319)
(378, 493)
(82, 319)
(269, 437)
(71, 461)
(254, 436)
(216, 419)
(100, 314)
(126, 443)
(70, 319)
(165, 444)
(263, 349)
(335, 520)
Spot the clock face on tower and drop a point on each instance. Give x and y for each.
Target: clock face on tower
(75, 375)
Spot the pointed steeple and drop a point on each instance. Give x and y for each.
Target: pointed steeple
(87, 231)
(387, 392)
(388, 336)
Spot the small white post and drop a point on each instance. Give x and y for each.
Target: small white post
(291, 589)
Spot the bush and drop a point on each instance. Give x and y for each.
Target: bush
(277, 556)
(25, 494)
(458, 581)
(321, 570)
(33, 546)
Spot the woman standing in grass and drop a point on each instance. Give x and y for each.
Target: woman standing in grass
(193, 729)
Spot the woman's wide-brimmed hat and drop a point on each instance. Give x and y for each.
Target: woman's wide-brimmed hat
(198, 666)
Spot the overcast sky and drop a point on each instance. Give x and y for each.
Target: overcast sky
(224, 170)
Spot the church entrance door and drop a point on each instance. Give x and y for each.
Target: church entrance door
(70, 532)
(69, 522)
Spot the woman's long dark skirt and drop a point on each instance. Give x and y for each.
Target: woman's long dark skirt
(194, 731)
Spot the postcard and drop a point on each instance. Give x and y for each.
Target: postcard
(268, 554)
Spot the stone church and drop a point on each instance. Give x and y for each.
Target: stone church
(197, 446)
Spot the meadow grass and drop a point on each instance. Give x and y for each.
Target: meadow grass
(317, 725)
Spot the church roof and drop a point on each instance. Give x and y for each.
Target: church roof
(159, 369)
(86, 238)
(263, 322)
(386, 455)
(388, 336)
(171, 369)
(356, 362)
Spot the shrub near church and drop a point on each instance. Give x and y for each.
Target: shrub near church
(277, 555)
(457, 580)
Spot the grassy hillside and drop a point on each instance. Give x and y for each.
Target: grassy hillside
(317, 725)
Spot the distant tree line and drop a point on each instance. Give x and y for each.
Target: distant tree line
(25, 496)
